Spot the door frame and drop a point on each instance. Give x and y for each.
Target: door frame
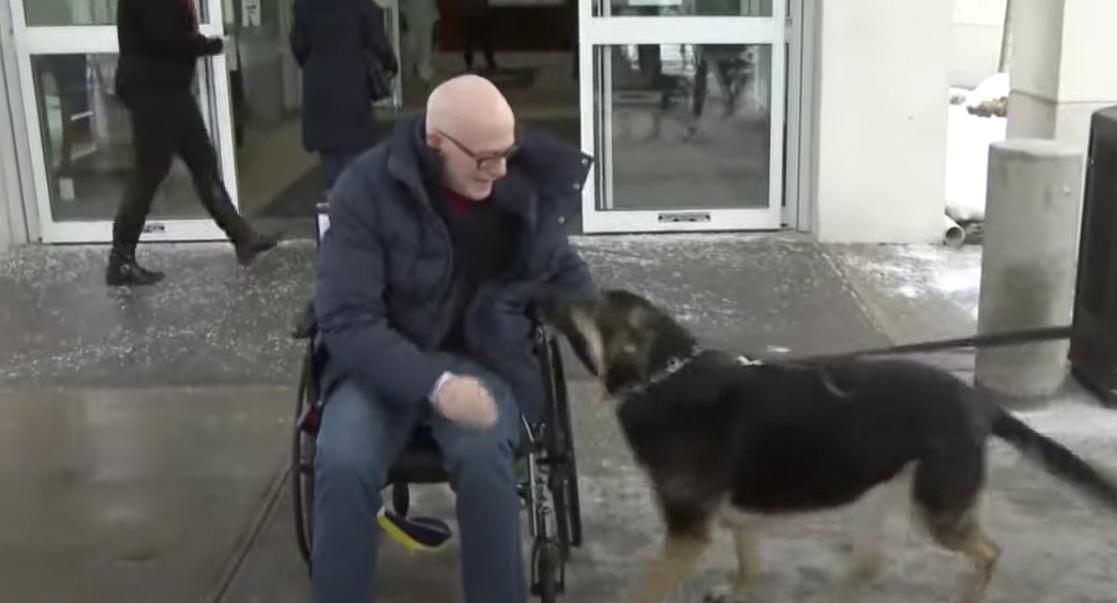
(215, 101)
(594, 102)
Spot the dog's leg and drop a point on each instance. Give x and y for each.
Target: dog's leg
(671, 568)
(748, 561)
(946, 492)
(866, 531)
(868, 521)
(743, 586)
(961, 532)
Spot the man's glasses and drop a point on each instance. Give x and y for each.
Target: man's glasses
(485, 161)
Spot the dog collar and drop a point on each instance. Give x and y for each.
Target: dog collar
(674, 365)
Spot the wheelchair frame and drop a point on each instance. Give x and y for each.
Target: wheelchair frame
(548, 487)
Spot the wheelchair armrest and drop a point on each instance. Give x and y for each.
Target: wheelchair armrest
(306, 324)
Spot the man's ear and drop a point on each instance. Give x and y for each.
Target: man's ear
(433, 140)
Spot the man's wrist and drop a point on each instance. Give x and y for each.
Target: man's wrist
(442, 379)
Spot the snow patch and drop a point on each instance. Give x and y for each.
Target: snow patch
(967, 161)
(918, 271)
(968, 138)
(992, 88)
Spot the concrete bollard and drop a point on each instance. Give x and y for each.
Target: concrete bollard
(1028, 264)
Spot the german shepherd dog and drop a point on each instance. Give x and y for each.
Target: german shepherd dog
(724, 439)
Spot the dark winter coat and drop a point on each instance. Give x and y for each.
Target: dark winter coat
(384, 290)
(159, 47)
(331, 40)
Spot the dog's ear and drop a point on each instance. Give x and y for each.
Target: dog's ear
(638, 318)
(551, 308)
(585, 339)
(558, 312)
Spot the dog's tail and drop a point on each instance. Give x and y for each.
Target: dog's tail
(1056, 458)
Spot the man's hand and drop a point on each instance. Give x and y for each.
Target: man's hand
(464, 399)
(214, 46)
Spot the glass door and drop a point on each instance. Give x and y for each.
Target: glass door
(81, 147)
(682, 103)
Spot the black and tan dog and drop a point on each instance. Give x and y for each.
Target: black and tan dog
(727, 440)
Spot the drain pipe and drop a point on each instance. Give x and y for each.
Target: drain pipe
(953, 234)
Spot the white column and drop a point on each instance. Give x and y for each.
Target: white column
(5, 228)
(880, 115)
(1028, 263)
(1062, 68)
(11, 209)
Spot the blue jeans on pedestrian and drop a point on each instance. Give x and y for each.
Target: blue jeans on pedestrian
(360, 437)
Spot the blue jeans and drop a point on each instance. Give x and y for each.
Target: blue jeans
(359, 439)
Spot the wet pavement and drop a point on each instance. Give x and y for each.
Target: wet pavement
(215, 322)
(144, 435)
(211, 322)
(132, 495)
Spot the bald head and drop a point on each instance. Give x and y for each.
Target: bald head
(468, 105)
(471, 125)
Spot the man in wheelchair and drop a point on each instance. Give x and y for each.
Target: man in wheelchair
(439, 240)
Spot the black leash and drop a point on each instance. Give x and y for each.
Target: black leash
(975, 341)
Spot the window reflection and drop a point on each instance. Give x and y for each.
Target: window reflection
(685, 125)
(682, 8)
(61, 13)
(87, 142)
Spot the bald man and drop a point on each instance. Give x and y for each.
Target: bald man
(439, 240)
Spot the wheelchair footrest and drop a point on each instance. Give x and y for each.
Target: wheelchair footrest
(414, 533)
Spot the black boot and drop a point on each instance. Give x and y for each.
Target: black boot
(253, 245)
(123, 271)
(247, 242)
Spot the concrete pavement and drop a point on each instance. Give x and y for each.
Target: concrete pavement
(143, 435)
(132, 494)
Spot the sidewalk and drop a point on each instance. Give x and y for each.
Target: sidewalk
(144, 434)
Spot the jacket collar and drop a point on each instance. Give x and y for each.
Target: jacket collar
(411, 161)
(543, 170)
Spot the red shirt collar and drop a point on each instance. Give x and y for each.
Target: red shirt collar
(458, 203)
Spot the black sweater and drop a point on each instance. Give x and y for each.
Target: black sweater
(482, 235)
(159, 46)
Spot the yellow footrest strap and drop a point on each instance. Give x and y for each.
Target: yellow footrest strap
(414, 533)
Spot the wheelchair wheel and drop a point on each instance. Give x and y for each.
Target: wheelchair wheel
(564, 484)
(549, 572)
(302, 464)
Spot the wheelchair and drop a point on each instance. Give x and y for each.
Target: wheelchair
(548, 484)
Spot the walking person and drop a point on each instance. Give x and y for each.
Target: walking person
(478, 30)
(159, 47)
(420, 15)
(334, 42)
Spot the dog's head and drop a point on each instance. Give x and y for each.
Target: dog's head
(621, 337)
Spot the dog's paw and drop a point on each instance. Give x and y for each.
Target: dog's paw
(730, 594)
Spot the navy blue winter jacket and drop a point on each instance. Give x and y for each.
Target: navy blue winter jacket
(383, 301)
